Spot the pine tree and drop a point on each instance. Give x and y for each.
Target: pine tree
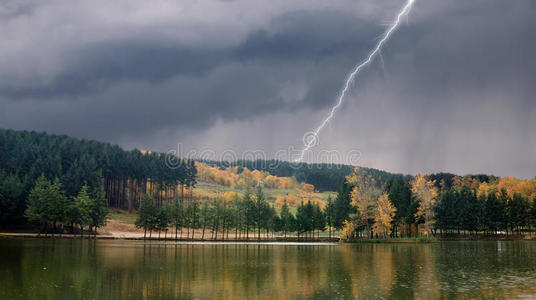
(177, 215)
(319, 219)
(205, 217)
(98, 210)
(147, 215)
(12, 199)
(286, 219)
(342, 206)
(37, 203)
(163, 218)
(78, 210)
(329, 213)
(260, 209)
(56, 203)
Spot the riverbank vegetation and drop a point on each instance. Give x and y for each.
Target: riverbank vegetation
(438, 205)
(49, 206)
(239, 217)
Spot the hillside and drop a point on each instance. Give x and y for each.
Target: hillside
(124, 175)
(325, 177)
(226, 183)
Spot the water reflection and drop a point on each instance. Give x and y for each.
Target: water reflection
(55, 269)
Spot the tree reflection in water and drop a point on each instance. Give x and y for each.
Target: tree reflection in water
(54, 269)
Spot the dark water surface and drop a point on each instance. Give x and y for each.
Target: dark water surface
(82, 269)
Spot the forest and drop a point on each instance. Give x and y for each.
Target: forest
(125, 176)
(438, 205)
(55, 181)
(402, 207)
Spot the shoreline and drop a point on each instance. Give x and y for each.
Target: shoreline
(139, 237)
(136, 237)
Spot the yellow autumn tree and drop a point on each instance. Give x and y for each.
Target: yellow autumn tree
(426, 194)
(459, 183)
(383, 217)
(348, 229)
(293, 200)
(280, 200)
(363, 196)
(361, 202)
(229, 196)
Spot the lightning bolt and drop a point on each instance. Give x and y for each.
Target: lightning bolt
(314, 138)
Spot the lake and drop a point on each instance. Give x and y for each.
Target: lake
(115, 269)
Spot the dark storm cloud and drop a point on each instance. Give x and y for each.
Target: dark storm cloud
(174, 74)
(302, 37)
(101, 66)
(147, 85)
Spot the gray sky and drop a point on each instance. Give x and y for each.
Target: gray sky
(455, 91)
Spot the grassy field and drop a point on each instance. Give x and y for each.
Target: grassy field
(271, 194)
(122, 216)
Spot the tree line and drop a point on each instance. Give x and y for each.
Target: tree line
(437, 204)
(125, 176)
(245, 217)
(49, 208)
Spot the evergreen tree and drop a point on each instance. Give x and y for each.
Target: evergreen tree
(205, 216)
(286, 219)
(147, 215)
(260, 206)
(319, 219)
(342, 207)
(304, 218)
(193, 216)
(56, 203)
(78, 210)
(12, 199)
(177, 215)
(399, 192)
(163, 218)
(329, 213)
(98, 209)
(494, 212)
(518, 212)
(37, 203)
(503, 200)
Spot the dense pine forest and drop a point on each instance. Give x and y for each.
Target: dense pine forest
(125, 176)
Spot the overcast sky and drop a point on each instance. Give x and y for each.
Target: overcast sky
(453, 91)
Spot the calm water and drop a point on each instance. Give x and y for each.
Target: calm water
(81, 269)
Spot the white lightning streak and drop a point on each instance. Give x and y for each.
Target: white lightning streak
(405, 10)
